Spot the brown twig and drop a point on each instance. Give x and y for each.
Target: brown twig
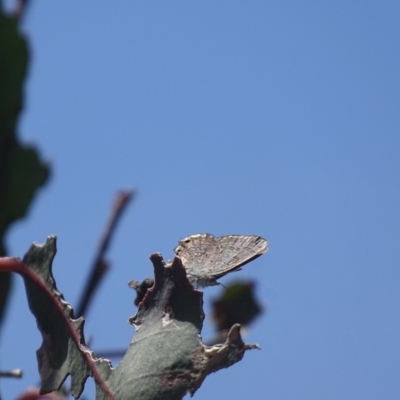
(34, 394)
(100, 265)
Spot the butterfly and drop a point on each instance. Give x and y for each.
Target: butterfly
(207, 258)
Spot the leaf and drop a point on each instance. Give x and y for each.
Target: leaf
(21, 171)
(236, 305)
(141, 289)
(63, 351)
(166, 358)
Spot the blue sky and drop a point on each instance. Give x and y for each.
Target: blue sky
(275, 118)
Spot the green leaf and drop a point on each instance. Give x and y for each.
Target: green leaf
(166, 358)
(21, 171)
(237, 304)
(63, 351)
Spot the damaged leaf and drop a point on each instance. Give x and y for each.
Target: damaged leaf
(63, 351)
(141, 289)
(166, 357)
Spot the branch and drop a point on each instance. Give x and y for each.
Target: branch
(100, 266)
(15, 373)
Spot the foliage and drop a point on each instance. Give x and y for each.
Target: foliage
(166, 358)
(22, 172)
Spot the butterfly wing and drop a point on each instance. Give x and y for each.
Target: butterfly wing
(238, 250)
(198, 253)
(207, 258)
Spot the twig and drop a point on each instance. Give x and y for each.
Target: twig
(15, 373)
(100, 266)
(34, 394)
